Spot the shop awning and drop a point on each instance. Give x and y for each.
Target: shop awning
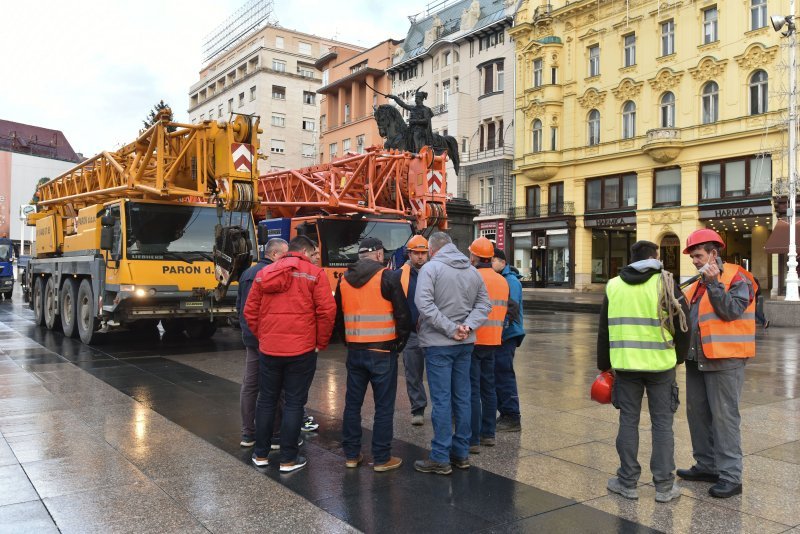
(778, 242)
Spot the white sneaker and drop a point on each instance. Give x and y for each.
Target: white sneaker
(614, 485)
(666, 496)
(260, 462)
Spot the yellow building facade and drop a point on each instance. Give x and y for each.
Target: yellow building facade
(644, 120)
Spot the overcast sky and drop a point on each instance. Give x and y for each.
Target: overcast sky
(94, 68)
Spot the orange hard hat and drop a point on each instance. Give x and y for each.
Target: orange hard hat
(703, 235)
(418, 243)
(602, 386)
(482, 247)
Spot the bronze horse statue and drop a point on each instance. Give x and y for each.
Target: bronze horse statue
(393, 128)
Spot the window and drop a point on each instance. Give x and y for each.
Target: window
(533, 201)
(612, 192)
(309, 98)
(305, 71)
(332, 150)
(252, 93)
(493, 77)
(445, 92)
(230, 105)
(345, 146)
(308, 150)
(487, 190)
(309, 124)
(555, 196)
(278, 121)
(553, 75)
(668, 110)
(447, 59)
(628, 120)
(500, 77)
(499, 133)
(537, 136)
(759, 95)
(710, 25)
(278, 92)
(358, 67)
(491, 137)
(594, 128)
(667, 186)
(279, 42)
(736, 178)
(668, 38)
(210, 114)
(710, 102)
(241, 99)
(304, 48)
(325, 76)
(278, 65)
(219, 110)
(758, 14)
(346, 113)
(553, 137)
(630, 50)
(277, 146)
(360, 144)
(537, 72)
(455, 84)
(594, 60)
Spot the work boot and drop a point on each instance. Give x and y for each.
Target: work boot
(724, 489)
(461, 463)
(474, 449)
(392, 463)
(429, 466)
(665, 496)
(615, 485)
(693, 473)
(507, 423)
(487, 441)
(354, 462)
(418, 418)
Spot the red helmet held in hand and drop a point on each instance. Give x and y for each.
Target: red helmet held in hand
(602, 386)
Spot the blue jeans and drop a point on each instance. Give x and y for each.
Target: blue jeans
(483, 396)
(293, 376)
(379, 369)
(505, 379)
(448, 382)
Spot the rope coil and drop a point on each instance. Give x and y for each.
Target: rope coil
(669, 307)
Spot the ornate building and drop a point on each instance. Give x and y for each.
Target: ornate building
(643, 120)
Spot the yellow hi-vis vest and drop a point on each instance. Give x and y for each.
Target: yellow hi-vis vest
(634, 329)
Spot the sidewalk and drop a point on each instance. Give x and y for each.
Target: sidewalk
(563, 300)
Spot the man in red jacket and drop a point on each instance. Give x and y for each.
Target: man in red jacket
(291, 310)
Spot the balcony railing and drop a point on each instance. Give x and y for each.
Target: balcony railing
(475, 155)
(493, 208)
(438, 110)
(663, 134)
(550, 210)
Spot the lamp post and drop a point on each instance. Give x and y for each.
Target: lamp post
(779, 22)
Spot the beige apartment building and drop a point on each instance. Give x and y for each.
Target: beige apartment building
(270, 73)
(352, 84)
(644, 119)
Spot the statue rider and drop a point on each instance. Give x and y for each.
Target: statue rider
(420, 133)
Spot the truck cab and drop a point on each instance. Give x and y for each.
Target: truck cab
(6, 268)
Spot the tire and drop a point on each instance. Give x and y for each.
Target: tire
(8, 294)
(85, 318)
(68, 299)
(173, 327)
(37, 298)
(200, 329)
(50, 305)
(144, 327)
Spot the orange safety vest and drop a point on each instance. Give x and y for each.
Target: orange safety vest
(726, 339)
(491, 332)
(368, 317)
(405, 276)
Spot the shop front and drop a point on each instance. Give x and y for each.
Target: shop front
(544, 252)
(494, 231)
(612, 237)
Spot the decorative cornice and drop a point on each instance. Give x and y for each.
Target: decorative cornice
(665, 79)
(756, 55)
(708, 68)
(592, 98)
(627, 89)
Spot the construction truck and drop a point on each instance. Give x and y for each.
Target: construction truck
(381, 193)
(6, 267)
(154, 231)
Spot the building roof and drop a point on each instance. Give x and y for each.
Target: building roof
(35, 141)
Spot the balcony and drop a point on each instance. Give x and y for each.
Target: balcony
(479, 155)
(663, 144)
(499, 209)
(534, 212)
(440, 109)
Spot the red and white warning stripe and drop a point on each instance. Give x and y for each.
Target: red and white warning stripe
(242, 157)
(434, 181)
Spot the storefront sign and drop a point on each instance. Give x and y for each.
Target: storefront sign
(608, 221)
(728, 213)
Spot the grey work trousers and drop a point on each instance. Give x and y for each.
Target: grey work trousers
(662, 401)
(712, 407)
(249, 392)
(414, 363)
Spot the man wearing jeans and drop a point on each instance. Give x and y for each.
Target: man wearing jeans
(453, 302)
(373, 314)
(291, 310)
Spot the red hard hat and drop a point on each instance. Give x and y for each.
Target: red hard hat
(482, 247)
(602, 386)
(417, 243)
(703, 235)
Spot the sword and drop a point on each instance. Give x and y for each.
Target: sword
(382, 94)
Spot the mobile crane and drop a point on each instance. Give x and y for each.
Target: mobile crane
(154, 231)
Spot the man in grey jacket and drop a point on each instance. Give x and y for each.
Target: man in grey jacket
(453, 302)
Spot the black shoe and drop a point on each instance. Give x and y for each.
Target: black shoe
(695, 474)
(724, 489)
(429, 466)
(508, 424)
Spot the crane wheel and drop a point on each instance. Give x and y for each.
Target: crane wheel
(37, 301)
(68, 299)
(50, 306)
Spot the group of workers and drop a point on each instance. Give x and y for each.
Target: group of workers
(458, 318)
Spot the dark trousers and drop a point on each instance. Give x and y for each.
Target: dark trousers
(292, 376)
(483, 396)
(365, 367)
(505, 380)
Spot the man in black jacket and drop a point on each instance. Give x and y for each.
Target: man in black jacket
(373, 315)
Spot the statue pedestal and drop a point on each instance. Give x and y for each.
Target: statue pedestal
(782, 313)
(460, 218)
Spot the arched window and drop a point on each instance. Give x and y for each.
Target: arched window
(628, 120)
(759, 93)
(594, 127)
(667, 110)
(710, 101)
(537, 135)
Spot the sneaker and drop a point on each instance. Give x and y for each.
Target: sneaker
(260, 462)
(299, 463)
(392, 463)
(429, 466)
(724, 489)
(354, 462)
(474, 449)
(666, 496)
(276, 443)
(486, 441)
(766, 325)
(461, 463)
(247, 441)
(508, 424)
(309, 425)
(614, 485)
(417, 419)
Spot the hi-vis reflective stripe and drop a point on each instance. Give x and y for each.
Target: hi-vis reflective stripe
(499, 302)
(713, 316)
(651, 345)
(638, 321)
(721, 338)
(492, 323)
(369, 331)
(368, 318)
(305, 275)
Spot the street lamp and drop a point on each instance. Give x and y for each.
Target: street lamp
(778, 22)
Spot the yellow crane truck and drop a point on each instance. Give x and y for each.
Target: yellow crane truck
(155, 231)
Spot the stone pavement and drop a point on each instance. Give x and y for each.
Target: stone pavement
(141, 435)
